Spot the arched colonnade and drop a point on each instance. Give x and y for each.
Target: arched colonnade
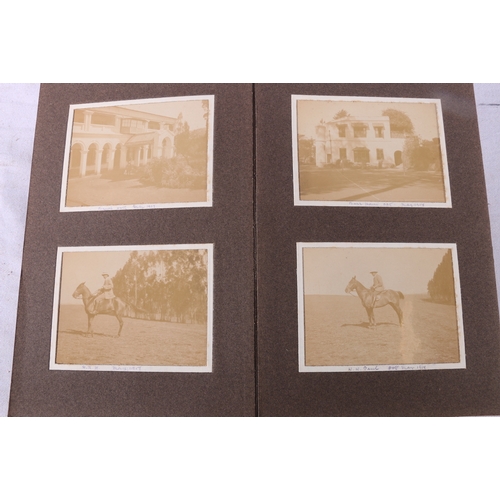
(94, 157)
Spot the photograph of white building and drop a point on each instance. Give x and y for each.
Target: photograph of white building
(358, 139)
(139, 154)
(111, 137)
(369, 151)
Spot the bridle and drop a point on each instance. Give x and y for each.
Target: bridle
(350, 292)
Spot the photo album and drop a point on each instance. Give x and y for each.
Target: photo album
(257, 250)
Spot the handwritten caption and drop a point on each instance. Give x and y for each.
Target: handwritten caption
(125, 207)
(385, 204)
(393, 368)
(113, 368)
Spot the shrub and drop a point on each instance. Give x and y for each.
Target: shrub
(385, 164)
(173, 173)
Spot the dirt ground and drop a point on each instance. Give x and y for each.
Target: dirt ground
(337, 332)
(371, 185)
(141, 343)
(97, 191)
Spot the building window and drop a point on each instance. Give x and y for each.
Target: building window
(343, 153)
(379, 132)
(359, 130)
(380, 154)
(342, 129)
(361, 155)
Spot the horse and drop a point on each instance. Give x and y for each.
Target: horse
(113, 307)
(385, 297)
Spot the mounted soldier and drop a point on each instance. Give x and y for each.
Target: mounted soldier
(105, 293)
(377, 287)
(376, 296)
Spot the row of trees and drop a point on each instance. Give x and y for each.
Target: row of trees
(307, 151)
(421, 154)
(188, 168)
(165, 285)
(441, 287)
(192, 144)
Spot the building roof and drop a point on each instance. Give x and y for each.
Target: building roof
(360, 119)
(132, 113)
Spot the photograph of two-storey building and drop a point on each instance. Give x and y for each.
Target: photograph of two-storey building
(371, 151)
(139, 154)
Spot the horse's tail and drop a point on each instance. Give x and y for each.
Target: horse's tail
(401, 296)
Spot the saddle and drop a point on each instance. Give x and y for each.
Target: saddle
(99, 305)
(375, 294)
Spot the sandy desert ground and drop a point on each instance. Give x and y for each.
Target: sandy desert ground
(337, 332)
(141, 343)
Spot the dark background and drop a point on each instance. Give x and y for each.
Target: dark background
(283, 391)
(230, 388)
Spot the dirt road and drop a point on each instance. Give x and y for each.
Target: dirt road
(371, 185)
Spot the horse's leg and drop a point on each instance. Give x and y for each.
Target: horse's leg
(89, 329)
(371, 317)
(120, 320)
(399, 312)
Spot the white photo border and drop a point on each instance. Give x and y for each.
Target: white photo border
(139, 206)
(208, 368)
(385, 204)
(370, 368)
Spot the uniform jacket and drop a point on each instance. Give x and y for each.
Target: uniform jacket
(378, 284)
(108, 288)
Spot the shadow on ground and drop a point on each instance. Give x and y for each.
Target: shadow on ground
(368, 182)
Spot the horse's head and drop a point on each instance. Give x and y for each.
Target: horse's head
(351, 285)
(77, 294)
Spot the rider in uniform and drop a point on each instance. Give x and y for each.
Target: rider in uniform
(106, 291)
(377, 287)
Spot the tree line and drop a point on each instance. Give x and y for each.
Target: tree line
(192, 144)
(188, 167)
(164, 285)
(441, 287)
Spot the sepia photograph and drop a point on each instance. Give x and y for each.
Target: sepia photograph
(149, 153)
(379, 307)
(363, 151)
(141, 308)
